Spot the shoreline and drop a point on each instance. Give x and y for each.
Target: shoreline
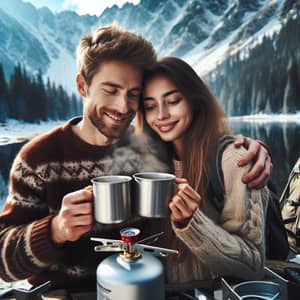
(266, 118)
(14, 131)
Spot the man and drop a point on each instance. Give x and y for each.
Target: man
(47, 221)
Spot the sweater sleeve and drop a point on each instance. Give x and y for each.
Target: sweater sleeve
(235, 244)
(25, 239)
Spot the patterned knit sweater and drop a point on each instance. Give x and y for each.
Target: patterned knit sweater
(47, 168)
(56, 163)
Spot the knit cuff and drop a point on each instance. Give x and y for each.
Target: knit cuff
(41, 243)
(192, 234)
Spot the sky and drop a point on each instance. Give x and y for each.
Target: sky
(82, 7)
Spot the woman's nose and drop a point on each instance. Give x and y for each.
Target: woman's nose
(163, 112)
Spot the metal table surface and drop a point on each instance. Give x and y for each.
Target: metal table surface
(202, 287)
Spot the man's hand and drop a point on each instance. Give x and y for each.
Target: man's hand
(183, 203)
(74, 218)
(260, 172)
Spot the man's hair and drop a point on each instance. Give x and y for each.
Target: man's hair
(113, 43)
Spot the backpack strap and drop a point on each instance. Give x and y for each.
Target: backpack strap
(216, 187)
(294, 172)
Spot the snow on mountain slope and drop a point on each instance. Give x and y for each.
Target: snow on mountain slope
(49, 40)
(203, 32)
(255, 25)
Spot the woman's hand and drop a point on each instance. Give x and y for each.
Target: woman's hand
(184, 203)
(260, 172)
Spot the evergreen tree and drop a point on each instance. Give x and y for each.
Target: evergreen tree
(3, 84)
(40, 97)
(3, 96)
(31, 100)
(61, 102)
(291, 92)
(16, 91)
(262, 79)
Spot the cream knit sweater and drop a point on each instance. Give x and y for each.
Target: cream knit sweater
(228, 244)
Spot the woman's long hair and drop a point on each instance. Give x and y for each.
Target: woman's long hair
(208, 119)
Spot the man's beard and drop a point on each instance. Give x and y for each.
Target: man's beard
(111, 131)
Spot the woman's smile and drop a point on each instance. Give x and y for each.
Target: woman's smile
(166, 127)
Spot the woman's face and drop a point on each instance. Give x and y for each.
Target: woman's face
(166, 110)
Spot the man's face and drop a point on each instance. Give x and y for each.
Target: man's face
(112, 97)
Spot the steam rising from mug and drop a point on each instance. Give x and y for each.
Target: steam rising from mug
(135, 153)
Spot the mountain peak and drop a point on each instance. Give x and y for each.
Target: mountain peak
(192, 29)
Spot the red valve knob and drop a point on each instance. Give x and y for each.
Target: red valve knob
(130, 235)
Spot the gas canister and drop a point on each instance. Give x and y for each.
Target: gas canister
(133, 274)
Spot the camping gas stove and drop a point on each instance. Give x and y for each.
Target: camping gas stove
(134, 273)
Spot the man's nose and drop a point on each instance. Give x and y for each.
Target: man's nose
(123, 104)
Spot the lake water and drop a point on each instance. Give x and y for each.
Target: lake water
(283, 140)
(281, 136)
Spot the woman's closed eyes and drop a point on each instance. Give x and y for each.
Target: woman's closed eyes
(150, 105)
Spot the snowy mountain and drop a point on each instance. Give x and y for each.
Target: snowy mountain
(42, 40)
(204, 32)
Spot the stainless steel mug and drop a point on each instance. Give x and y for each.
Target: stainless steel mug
(153, 193)
(112, 203)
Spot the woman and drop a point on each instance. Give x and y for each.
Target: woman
(178, 108)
